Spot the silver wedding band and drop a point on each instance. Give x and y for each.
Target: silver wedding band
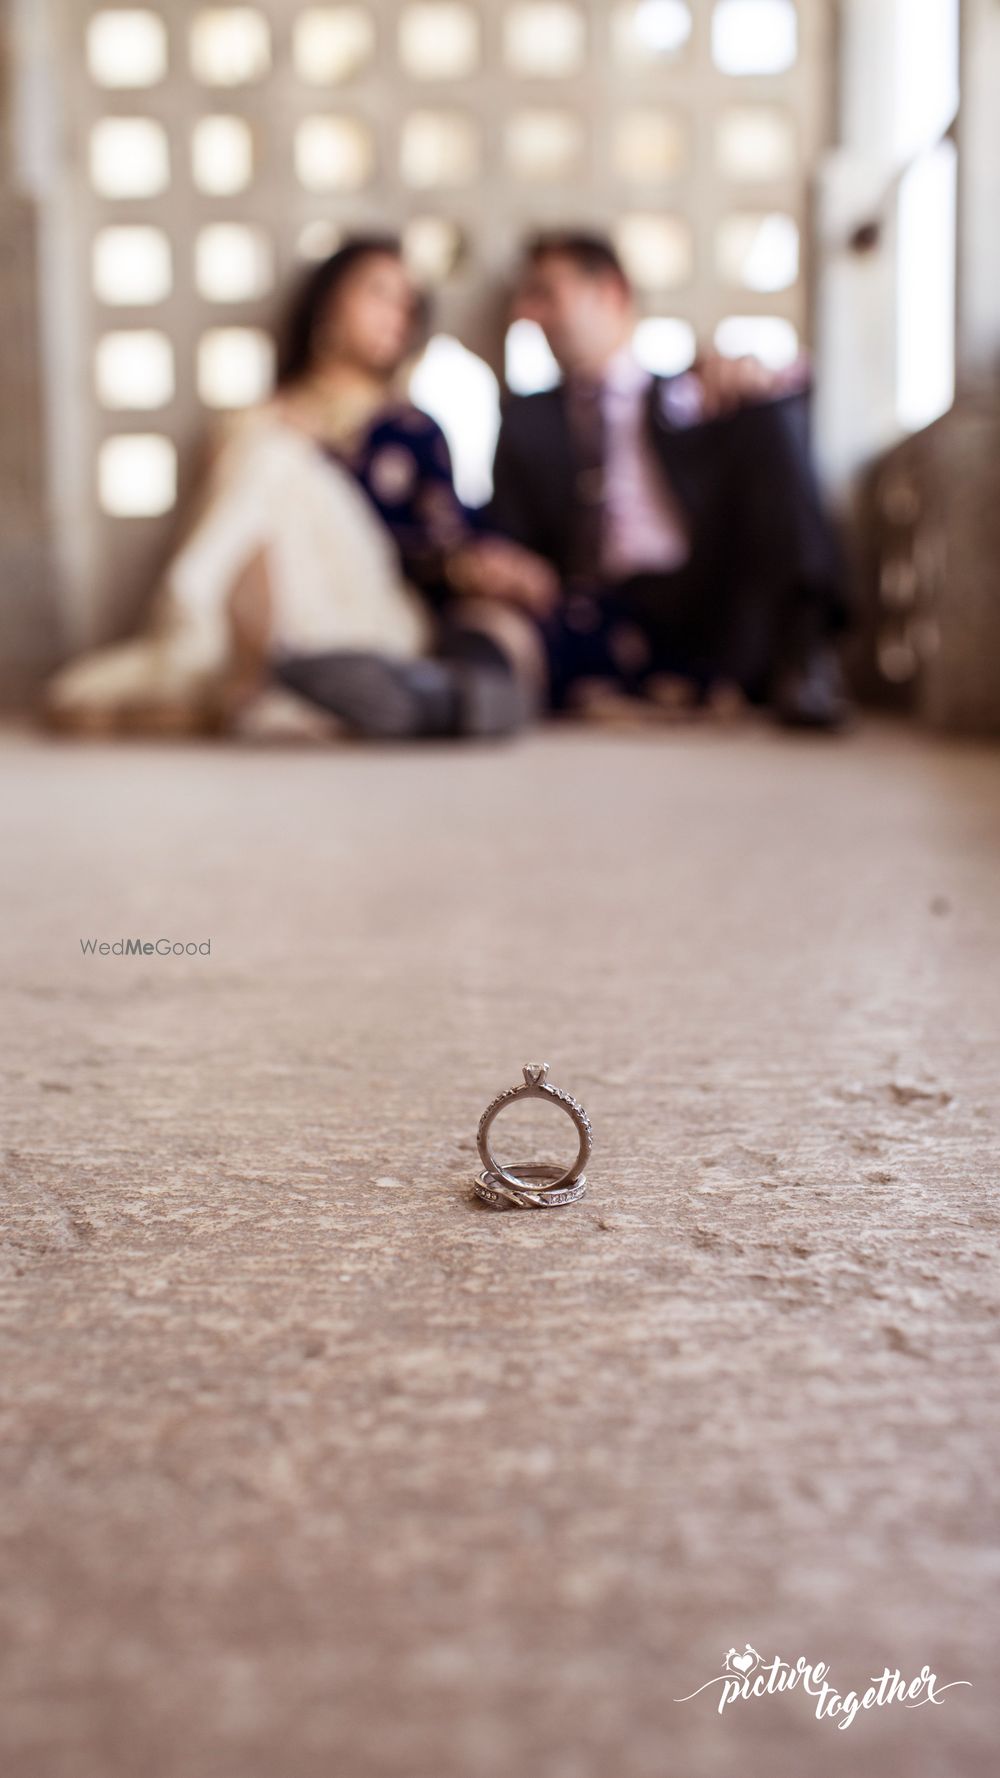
(546, 1195)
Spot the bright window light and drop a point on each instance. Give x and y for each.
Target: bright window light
(235, 366)
(461, 393)
(439, 148)
(439, 40)
(645, 33)
(134, 369)
(649, 147)
(332, 43)
(222, 155)
(657, 251)
(544, 39)
(433, 248)
(132, 266)
(230, 46)
(770, 338)
(334, 153)
(544, 144)
(529, 366)
(126, 48)
(137, 475)
(755, 143)
(754, 36)
(129, 157)
(661, 27)
(925, 360)
(759, 252)
(233, 263)
(664, 345)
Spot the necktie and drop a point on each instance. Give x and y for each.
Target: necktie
(586, 429)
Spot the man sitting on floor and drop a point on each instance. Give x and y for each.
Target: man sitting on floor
(681, 514)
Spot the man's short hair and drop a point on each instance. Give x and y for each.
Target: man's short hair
(591, 254)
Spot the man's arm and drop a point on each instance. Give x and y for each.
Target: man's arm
(730, 383)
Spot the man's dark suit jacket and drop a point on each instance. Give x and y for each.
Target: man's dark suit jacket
(744, 482)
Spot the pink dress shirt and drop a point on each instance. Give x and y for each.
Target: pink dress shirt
(643, 526)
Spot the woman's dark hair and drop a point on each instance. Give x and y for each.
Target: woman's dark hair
(316, 295)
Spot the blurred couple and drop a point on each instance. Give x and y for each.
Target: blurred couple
(640, 527)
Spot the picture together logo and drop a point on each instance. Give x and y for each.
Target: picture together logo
(144, 947)
(747, 1675)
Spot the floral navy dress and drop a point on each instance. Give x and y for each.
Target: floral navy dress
(403, 463)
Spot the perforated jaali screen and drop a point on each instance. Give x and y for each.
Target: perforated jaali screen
(212, 150)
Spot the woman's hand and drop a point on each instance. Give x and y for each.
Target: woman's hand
(496, 568)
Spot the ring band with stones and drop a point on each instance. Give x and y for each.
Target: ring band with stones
(546, 1195)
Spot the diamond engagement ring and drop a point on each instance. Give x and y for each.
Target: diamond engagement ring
(532, 1184)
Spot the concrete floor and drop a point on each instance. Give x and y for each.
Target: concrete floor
(313, 1467)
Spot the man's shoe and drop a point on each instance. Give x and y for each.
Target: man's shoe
(811, 694)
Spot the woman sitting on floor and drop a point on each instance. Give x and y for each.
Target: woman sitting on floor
(331, 554)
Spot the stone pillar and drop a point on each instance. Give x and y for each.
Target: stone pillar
(938, 528)
(29, 641)
(956, 461)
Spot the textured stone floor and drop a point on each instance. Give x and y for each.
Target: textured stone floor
(314, 1468)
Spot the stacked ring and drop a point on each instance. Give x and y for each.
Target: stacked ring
(533, 1185)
